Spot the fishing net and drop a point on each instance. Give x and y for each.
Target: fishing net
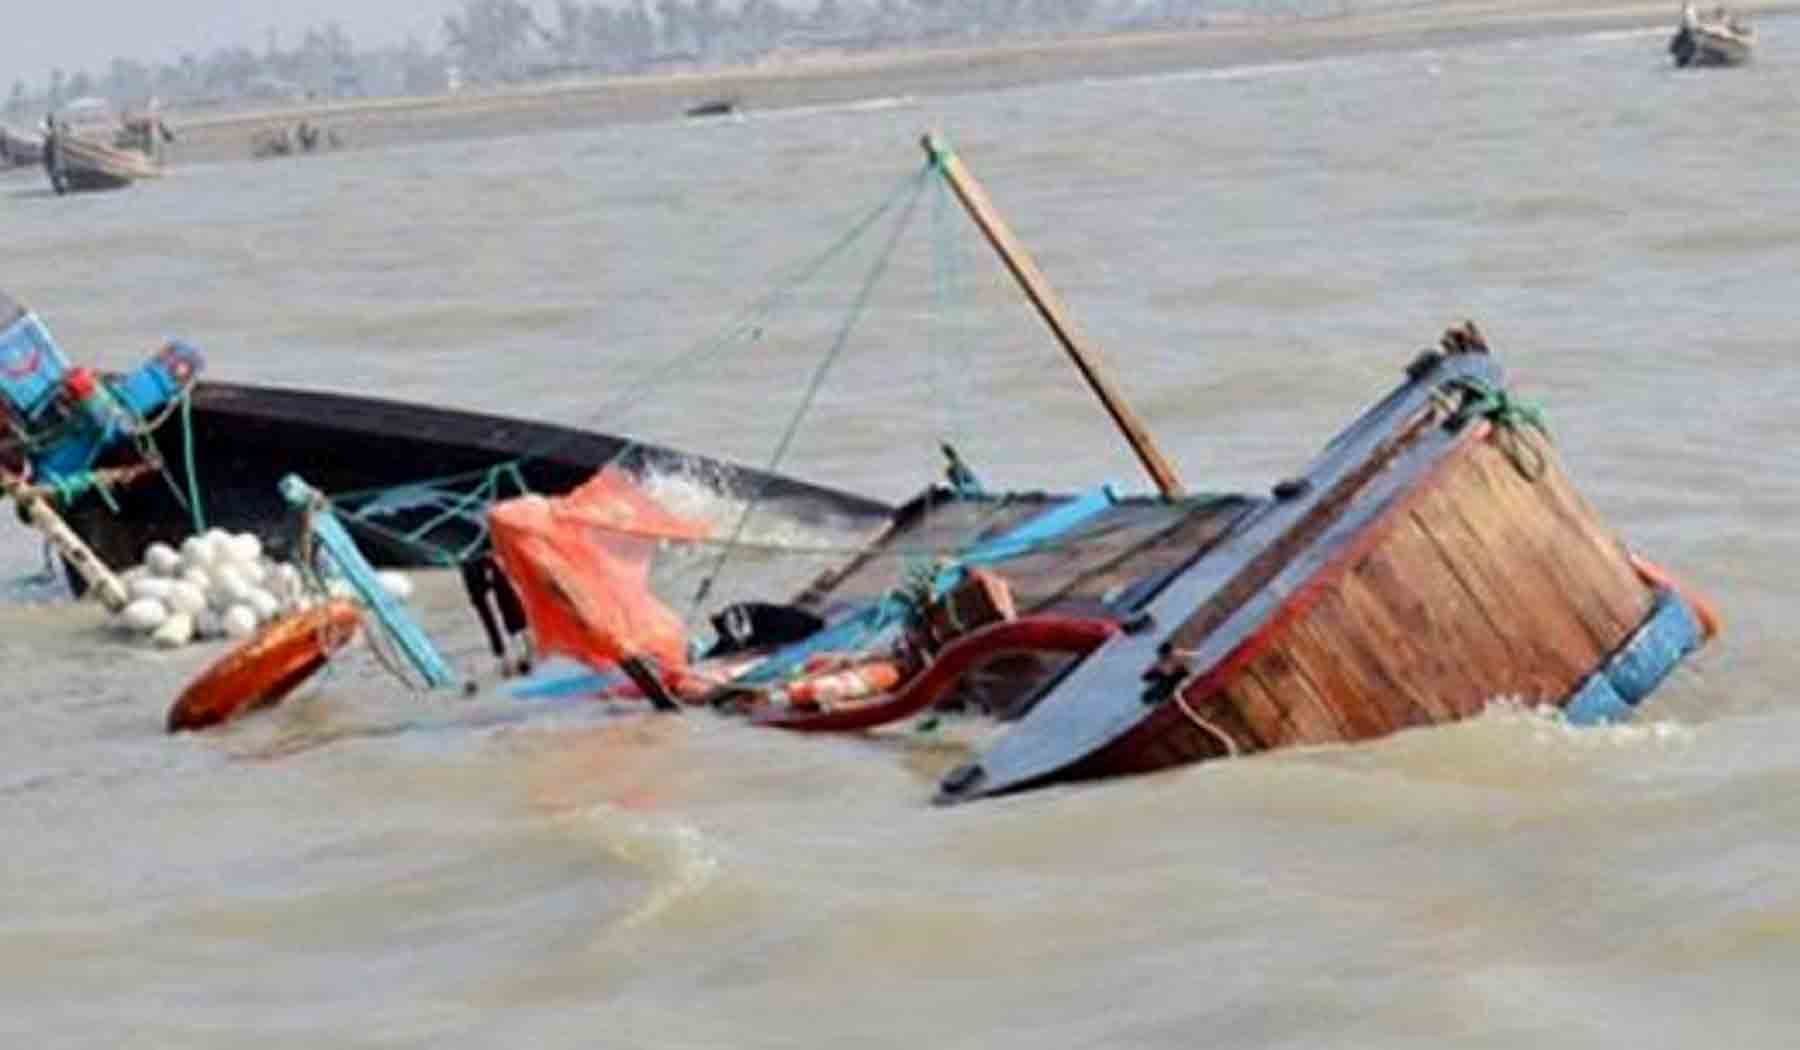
(580, 564)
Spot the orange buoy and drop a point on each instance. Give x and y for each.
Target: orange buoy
(1655, 575)
(268, 666)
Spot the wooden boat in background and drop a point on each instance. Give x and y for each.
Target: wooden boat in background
(300, 137)
(88, 148)
(1717, 38)
(716, 107)
(77, 164)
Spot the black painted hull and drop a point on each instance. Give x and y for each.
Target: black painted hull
(246, 438)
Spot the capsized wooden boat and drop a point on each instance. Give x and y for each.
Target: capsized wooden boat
(1433, 559)
(1715, 38)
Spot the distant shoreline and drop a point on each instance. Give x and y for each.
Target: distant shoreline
(822, 79)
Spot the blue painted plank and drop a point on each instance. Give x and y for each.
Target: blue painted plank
(342, 550)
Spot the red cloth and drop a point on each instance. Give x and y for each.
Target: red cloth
(581, 566)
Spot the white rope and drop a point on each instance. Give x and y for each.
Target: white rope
(1231, 747)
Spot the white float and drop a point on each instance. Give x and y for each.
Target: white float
(221, 584)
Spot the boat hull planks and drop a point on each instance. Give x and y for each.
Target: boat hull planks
(1425, 567)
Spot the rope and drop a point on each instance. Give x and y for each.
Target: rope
(187, 447)
(746, 327)
(67, 490)
(1231, 747)
(1510, 416)
(814, 384)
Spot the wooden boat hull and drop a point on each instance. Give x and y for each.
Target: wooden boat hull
(1720, 48)
(77, 164)
(1427, 564)
(246, 438)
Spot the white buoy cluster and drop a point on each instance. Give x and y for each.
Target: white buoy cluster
(218, 584)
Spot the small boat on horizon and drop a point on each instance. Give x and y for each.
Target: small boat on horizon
(300, 137)
(718, 107)
(1716, 38)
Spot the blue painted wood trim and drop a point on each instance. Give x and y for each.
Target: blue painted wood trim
(567, 684)
(1637, 667)
(349, 560)
(860, 627)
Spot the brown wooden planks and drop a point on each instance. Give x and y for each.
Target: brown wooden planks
(1524, 603)
(1484, 584)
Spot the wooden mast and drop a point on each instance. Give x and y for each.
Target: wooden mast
(1086, 357)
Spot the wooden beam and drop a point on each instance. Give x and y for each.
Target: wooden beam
(1086, 357)
(37, 510)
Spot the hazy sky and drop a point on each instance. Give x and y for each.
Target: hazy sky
(39, 35)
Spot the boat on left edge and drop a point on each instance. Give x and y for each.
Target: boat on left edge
(157, 454)
(20, 149)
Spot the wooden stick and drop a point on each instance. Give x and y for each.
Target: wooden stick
(43, 517)
(1086, 357)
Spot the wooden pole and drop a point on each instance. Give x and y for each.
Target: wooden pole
(1086, 357)
(37, 510)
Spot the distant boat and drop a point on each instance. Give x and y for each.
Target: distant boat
(20, 149)
(88, 148)
(718, 107)
(1718, 38)
(290, 139)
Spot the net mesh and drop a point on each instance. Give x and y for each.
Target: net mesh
(580, 563)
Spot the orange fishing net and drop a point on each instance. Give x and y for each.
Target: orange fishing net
(581, 566)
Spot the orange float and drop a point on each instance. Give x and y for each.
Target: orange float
(1655, 575)
(267, 666)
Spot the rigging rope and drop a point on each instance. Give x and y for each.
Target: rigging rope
(746, 327)
(1511, 417)
(839, 344)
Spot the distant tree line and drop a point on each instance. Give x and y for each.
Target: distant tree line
(501, 41)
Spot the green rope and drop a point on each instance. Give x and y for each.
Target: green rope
(187, 446)
(1511, 417)
(817, 381)
(67, 490)
(746, 327)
